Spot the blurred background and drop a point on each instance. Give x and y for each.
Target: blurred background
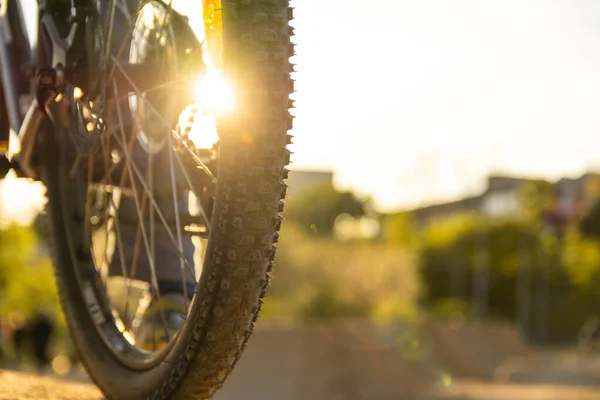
(442, 232)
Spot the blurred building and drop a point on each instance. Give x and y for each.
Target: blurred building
(502, 198)
(576, 196)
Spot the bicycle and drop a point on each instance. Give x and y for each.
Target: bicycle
(163, 195)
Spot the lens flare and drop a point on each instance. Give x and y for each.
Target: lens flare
(214, 94)
(61, 365)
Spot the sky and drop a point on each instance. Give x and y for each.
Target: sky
(413, 102)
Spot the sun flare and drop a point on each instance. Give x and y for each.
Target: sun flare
(214, 94)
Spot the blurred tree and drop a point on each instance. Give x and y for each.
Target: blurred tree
(329, 303)
(537, 197)
(581, 259)
(590, 223)
(449, 257)
(442, 233)
(321, 278)
(540, 202)
(26, 275)
(316, 209)
(567, 275)
(399, 230)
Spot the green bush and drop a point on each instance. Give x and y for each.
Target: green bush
(318, 278)
(457, 252)
(26, 275)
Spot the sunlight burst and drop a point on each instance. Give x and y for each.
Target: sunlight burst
(214, 94)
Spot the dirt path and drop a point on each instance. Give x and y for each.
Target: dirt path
(490, 391)
(21, 386)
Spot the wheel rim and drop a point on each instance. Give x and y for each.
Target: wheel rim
(102, 182)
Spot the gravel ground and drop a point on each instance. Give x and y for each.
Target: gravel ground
(541, 376)
(491, 391)
(21, 386)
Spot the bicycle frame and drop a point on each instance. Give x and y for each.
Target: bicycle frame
(36, 59)
(24, 53)
(19, 62)
(33, 59)
(18, 47)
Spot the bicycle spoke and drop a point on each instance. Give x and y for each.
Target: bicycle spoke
(124, 10)
(177, 222)
(132, 167)
(191, 186)
(159, 86)
(75, 167)
(108, 223)
(159, 213)
(124, 43)
(111, 169)
(88, 206)
(154, 346)
(117, 223)
(164, 122)
(138, 238)
(128, 278)
(109, 27)
(124, 181)
(136, 247)
(104, 262)
(108, 45)
(150, 183)
(129, 161)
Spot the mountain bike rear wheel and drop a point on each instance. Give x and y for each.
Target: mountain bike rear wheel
(118, 143)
